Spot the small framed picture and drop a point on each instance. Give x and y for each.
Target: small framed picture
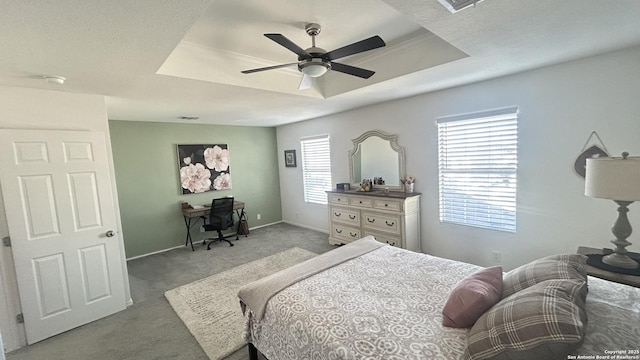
(290, 158)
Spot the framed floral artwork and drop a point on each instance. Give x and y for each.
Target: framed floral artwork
(204, 167)
(290, 158)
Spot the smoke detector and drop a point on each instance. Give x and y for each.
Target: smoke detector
(54, 79)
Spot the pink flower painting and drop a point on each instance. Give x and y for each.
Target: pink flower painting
(204, 167)
(222, 181)
(217, 158)
(195, 178)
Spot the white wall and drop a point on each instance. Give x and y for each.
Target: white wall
(43, 109)
(1, 348)
(559, 107)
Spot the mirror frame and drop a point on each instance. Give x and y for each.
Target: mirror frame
(393, 141)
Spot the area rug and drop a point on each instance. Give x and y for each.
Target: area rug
(210, 309)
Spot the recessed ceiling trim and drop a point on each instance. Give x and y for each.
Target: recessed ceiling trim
(392, 49)
(456, 5)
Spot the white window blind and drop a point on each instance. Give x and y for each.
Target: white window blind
(316, 168)
(477, 161)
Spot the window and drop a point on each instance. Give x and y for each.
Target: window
(316, 168)
(477, 163)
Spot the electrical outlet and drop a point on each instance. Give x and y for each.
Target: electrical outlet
(496, 256)
(259, 216)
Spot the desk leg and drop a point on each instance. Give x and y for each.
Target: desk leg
(187, 223)
(241, 215)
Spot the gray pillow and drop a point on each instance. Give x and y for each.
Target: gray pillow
(562, 266)
(544, 321)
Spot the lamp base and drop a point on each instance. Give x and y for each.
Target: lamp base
(621, 229)
(620, 260)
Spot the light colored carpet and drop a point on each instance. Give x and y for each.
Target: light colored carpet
(210, 309)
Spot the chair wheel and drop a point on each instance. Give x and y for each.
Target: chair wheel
(230, 244)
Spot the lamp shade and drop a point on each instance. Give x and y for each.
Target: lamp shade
(314, 70)
(613, 178)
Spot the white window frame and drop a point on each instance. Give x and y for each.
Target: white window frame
(316, 168)
(477, 165)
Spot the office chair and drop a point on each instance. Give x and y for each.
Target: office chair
(220, 218)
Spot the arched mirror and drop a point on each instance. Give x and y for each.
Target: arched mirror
(376, 154)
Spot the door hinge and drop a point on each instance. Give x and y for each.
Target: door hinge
(20, 318)
(6, 241)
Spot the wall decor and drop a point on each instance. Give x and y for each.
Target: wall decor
(290, 158)
(204, 167)
(594, 151)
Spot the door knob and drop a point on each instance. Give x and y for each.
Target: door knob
(110, 233)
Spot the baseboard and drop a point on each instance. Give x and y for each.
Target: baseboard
(181, 246)
(265, 225)
(306, 227)
(155, 252)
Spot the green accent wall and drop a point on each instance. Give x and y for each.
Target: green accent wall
(148, 182)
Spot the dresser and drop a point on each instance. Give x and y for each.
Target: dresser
(392, 218)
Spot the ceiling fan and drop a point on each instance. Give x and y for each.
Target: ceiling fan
(315, 62)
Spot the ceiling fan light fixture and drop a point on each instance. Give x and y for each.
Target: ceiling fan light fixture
(314, 67)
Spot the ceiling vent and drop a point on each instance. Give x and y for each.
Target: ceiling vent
(456, 5)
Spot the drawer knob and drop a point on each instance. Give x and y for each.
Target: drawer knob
(337, 213)
(385, 205)
(352, 217)
(360, 201)
(390, 223)
(339, 231)
(352, 234)
(371, 220)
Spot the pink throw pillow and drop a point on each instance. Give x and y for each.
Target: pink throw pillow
(473, 296)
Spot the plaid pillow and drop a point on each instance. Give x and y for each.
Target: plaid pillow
(562, 266)
(544, 321)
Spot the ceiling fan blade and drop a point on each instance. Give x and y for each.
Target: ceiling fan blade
(268, 68)
(306, 82)
(352, 70)
(371, 43)
(282, 40)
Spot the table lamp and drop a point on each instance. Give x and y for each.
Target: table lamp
(617, 179)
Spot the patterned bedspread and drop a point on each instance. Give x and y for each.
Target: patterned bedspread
(387, 304)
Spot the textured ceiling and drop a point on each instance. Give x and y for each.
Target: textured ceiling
(158, 60)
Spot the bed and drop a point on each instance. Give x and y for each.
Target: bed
(367, 300)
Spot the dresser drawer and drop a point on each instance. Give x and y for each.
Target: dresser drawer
(386, 222)
(361, 201)
(387, 204)
(347, 233)
(338, 199)
(386, 239)
(345, 215)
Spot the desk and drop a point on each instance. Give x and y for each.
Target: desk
(607, 275)
(192, 216)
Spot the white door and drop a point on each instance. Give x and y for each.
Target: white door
(62, 224)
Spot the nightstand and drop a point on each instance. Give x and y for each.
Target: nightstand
(607, 275)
